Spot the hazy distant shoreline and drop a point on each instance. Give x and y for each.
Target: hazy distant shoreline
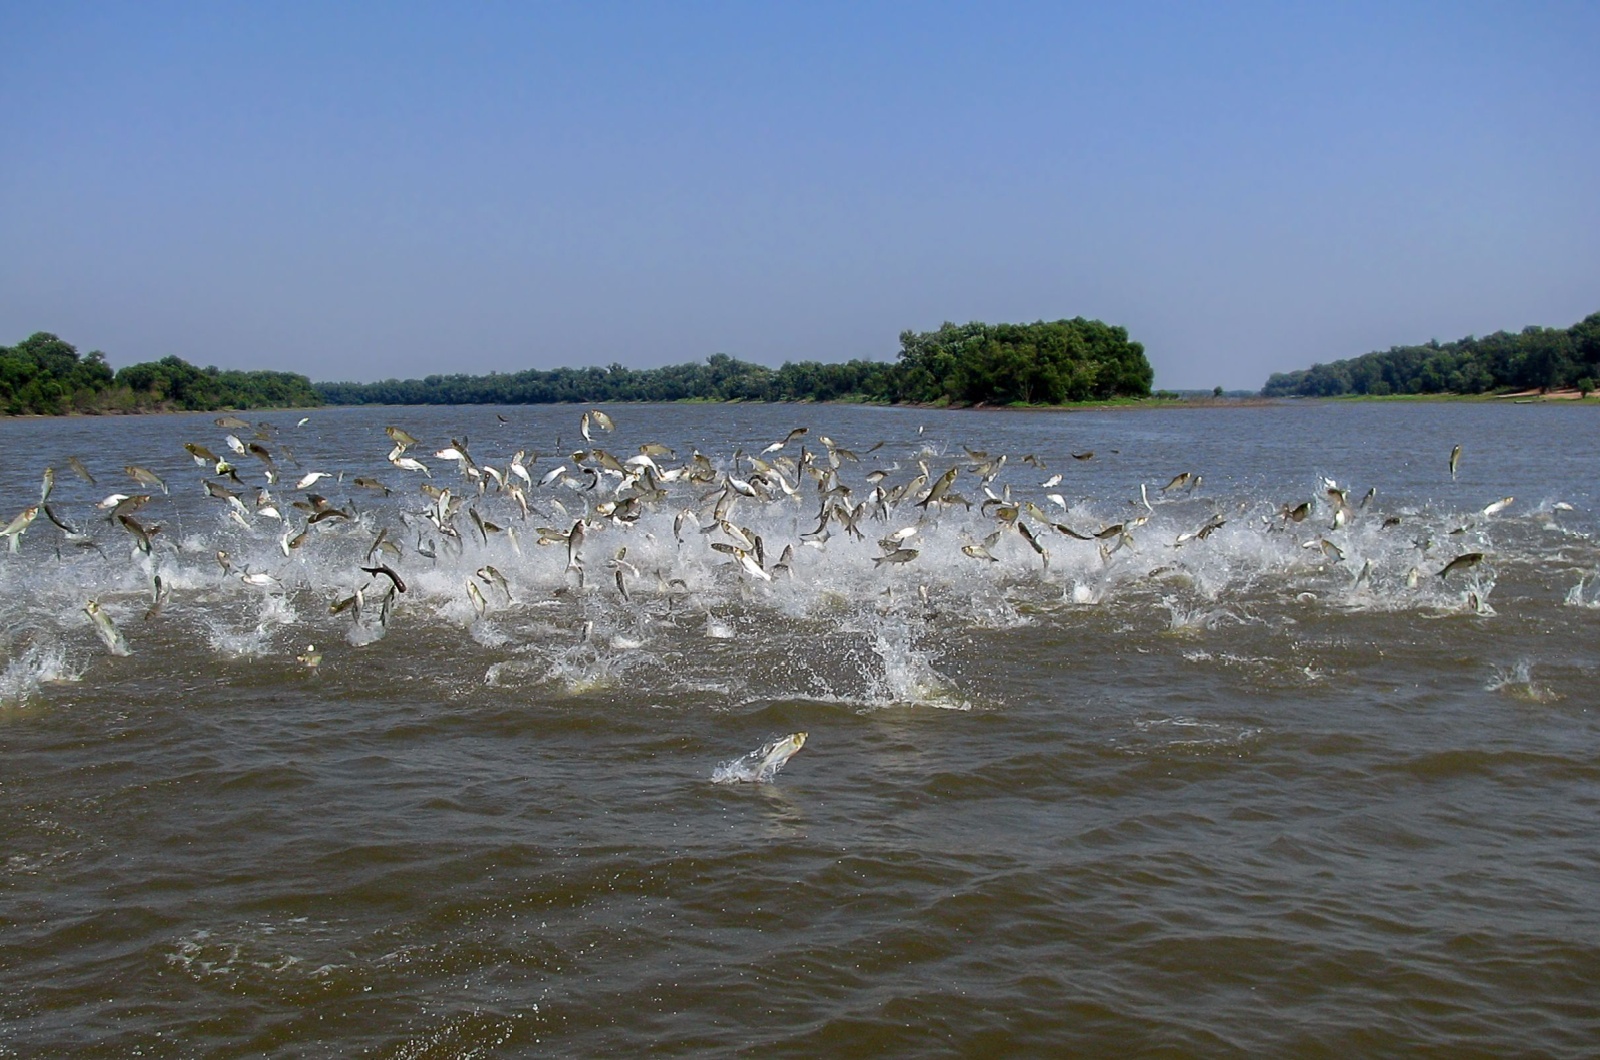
(1565, 397)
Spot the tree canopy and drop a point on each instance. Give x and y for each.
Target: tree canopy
(959, 364)
(1535, 358)
(966, 364)
(1040, 363)
(43, 374)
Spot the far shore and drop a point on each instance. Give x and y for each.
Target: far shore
(1206, 401)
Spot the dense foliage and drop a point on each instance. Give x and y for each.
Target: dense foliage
(1041, 363)
(1065, 360)
(721, 378)
(1536, 358)
(966, 364)
(43, 374)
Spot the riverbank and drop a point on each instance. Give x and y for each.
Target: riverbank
(1520, 397)
(1153, 402)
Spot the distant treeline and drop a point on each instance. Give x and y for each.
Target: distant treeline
(1535, 358)
(43, 374)
(966, 364)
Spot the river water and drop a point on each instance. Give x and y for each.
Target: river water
(1279, 788)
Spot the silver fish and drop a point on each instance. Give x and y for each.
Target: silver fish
(145, 477)
(105, 630)
(82, 472)
(940, 488)
(762, 764)
(899, 555)
(15, 529)
(574, 543)
(400, 438)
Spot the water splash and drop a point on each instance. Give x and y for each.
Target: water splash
(1517, 682)
(1585, 594)
(1113, 552)
(761, 765)
(908, 674)
(40, 664)
(1195, 619)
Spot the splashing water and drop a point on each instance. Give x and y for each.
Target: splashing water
(39, 664)
(710, 582)
(908, 673)
(761, 765)
(1517, 682)
(1585, 594)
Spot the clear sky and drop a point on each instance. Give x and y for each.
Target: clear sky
(366, 190)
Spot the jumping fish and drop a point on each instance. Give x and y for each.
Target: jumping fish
(105, 630)
(1455, 459)
(791, 436)
(141, 534)
(144, 476)
(1462, 562)
(940, 488)
(1498, 506)
(388, 572)
(1027, 535)
(200, 454)
(15, 529)
(493, 577)
(82, 472)
(365, 483)
(574, 543)
(479, 604)
(158, 597)
(71, 533)
(400, 438)
(762, 764)
(899, 555)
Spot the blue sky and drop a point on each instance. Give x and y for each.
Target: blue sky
(359, 191)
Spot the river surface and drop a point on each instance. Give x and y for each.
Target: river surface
(1248, 775)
